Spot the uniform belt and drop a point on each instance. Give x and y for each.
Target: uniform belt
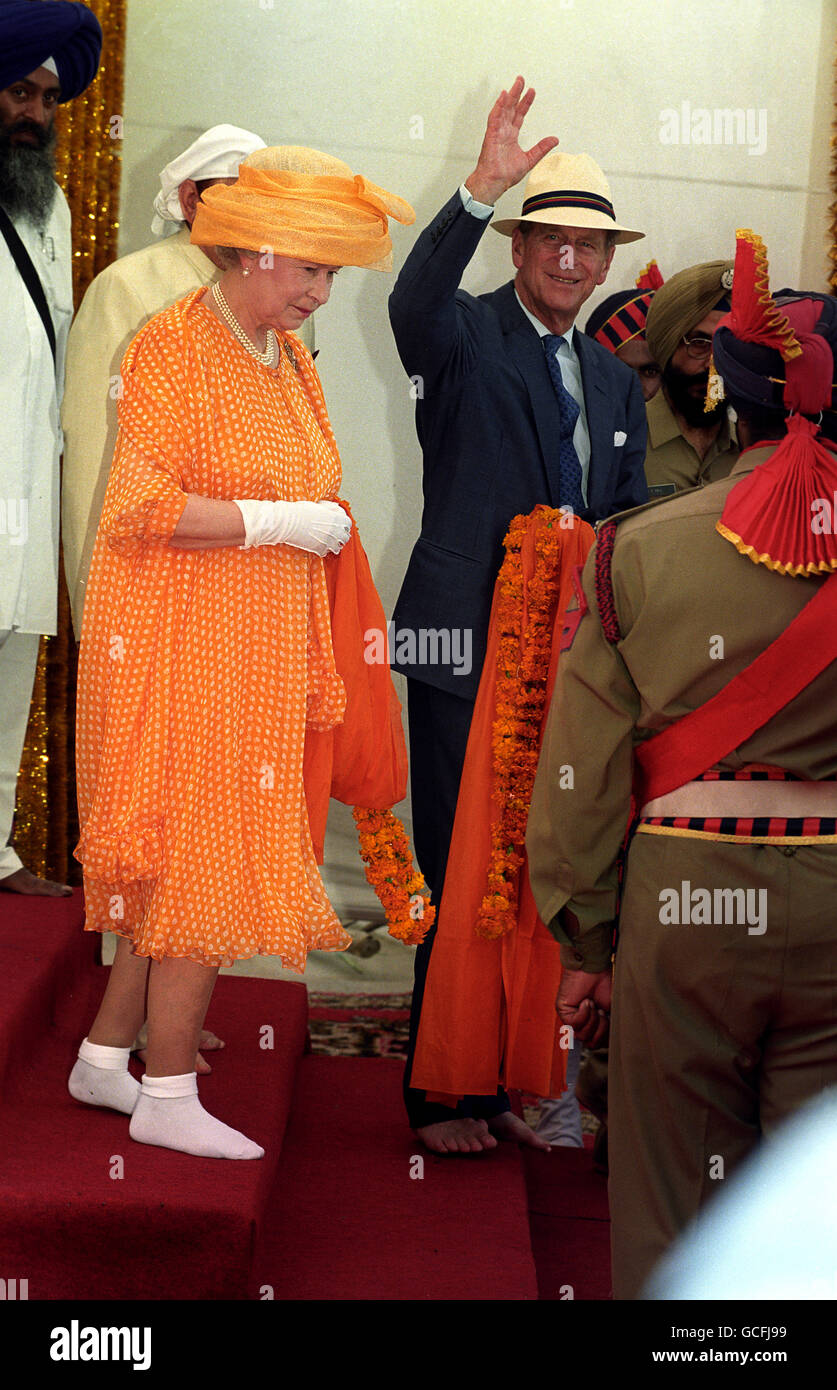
(720, 800)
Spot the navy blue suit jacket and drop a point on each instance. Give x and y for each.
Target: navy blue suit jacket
(489, 426)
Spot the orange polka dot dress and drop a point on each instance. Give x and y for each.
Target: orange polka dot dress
(199, 669)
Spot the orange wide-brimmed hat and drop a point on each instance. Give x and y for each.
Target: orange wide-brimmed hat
(329, 218)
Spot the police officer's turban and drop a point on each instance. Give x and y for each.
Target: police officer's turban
(33, 31)
(827, 328)
(779, 356)
(755, 374)
(622, 316)
(681, 303)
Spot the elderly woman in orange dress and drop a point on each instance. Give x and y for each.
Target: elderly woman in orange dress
(206, 647)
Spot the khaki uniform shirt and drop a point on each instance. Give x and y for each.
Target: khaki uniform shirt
(678, 587)
(671, 462)
(118, 303)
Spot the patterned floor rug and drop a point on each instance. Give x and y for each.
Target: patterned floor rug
(377, 1025)
(359, 1025)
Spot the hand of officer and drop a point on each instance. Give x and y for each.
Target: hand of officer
(502, 163)
(583, 1003)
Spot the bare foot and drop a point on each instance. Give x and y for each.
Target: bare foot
(510, 1126)
(22, 881)
(457, 1136)
(208, 1043)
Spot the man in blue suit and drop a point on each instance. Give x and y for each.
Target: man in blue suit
(513, 408)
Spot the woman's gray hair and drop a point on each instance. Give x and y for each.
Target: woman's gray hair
(229, 256)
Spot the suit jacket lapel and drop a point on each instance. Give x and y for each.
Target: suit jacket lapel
(526, 352)
(597, 403)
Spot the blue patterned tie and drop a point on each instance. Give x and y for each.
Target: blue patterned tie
(568, 464)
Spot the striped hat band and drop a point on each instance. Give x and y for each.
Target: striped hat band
(568, 189)
(569, 198)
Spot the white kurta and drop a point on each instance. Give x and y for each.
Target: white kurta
(30, 431)
(118, 303)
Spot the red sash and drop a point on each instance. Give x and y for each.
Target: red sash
(687, 748)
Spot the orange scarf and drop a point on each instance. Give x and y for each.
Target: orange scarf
(488, 1015)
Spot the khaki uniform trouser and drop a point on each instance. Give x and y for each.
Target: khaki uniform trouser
(717, 1034)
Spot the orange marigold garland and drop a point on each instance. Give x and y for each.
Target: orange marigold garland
(524, 653)
(403, 893)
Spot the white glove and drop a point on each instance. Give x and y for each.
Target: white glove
(321, 527)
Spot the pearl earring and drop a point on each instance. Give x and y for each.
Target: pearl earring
(245, 270)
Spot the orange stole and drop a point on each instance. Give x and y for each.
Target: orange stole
(488, 1015)
(363, 761)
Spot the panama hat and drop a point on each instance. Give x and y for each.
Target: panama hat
(568, 190)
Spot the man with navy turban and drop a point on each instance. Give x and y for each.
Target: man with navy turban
(49, 53)
(618, 323)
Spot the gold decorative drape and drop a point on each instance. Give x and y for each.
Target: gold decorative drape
(832, 250)
(88, 169)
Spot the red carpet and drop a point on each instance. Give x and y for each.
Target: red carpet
(331, 1212)
(360, 1227)
(569, 1224)
(172, 1225)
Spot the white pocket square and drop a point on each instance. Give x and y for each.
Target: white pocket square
(619, 439)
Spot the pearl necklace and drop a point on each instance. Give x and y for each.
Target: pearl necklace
(270, 356)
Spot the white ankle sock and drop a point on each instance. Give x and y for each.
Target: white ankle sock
(101, 1077)
(170, 1115)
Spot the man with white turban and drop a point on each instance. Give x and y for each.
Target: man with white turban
(117, 304)
(49, 54)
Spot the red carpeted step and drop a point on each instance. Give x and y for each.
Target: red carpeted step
(570, 1224)
(87, 1213)
(572, 1258)
(346, 1220)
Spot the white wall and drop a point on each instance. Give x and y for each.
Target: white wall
(352, 76)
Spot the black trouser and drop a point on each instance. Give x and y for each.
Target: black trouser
(439, 724)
